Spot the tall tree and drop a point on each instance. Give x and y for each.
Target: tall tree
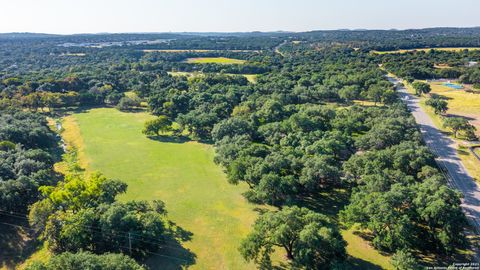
(158, 125)
(421, 88)
(310, 240)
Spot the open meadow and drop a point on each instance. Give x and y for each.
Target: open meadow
(182, 174)
(460, 102)
(215, 60)
(250, 77)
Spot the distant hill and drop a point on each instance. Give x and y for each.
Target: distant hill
(365, 39)
(25, 35)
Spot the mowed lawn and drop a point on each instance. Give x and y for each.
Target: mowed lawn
(460, 102)
(197, 195)
(215, 60)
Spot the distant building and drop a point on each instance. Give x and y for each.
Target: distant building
(472, 63)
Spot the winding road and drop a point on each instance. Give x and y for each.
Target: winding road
(447, 158)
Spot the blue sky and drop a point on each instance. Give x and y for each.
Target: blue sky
(94, 16)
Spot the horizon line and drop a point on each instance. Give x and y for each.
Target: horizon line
(241, 32)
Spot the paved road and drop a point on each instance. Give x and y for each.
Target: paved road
(447, 158)
(277, 48)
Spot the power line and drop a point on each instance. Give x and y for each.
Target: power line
(17, 226)
(100, 230)
(124, 247)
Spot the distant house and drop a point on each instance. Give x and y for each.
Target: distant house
(472, 63)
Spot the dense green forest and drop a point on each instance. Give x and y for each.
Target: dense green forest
(435, 64)
(320, 117)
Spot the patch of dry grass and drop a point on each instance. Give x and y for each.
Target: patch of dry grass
(215, 60)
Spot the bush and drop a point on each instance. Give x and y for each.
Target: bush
(86, 260)
(404, 260)
(156, 126)
(127, 103)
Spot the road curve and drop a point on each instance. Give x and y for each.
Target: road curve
(447, 158)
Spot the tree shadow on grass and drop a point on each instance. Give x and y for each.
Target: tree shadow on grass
(461, 116)
(16, 243)
(172, 255)
(367, 237)
(328, 202)
(357, 263)
(440, 96)
(170, 139)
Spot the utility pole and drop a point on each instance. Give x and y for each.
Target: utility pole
(130, 243)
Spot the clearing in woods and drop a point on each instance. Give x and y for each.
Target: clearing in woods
(215, 60)
(182, 174)
(250, 77)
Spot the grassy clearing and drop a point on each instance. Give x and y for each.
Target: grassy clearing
(73, 54)
(367, 103)
(460, 102)
(177, 51)
(442, 66)
(250, 77)
(215, 60)
(195, 50)
(195, 190)
(197, 195)
(363, 255)
(450, 49)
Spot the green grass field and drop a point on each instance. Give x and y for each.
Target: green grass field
(215, 60)
(197, 195)
(250, 77)
(363, 255)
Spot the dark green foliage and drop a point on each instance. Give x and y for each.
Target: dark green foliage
(439, 105)
(421, 88)
(24, 128)
(309, 239)
(457, 124)
(404, 260)
(82, 214)
(156, 126)
(423, 65)
(127, 103)
(86, 260)
(25, 160)
(401, 199)
(232, 127)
